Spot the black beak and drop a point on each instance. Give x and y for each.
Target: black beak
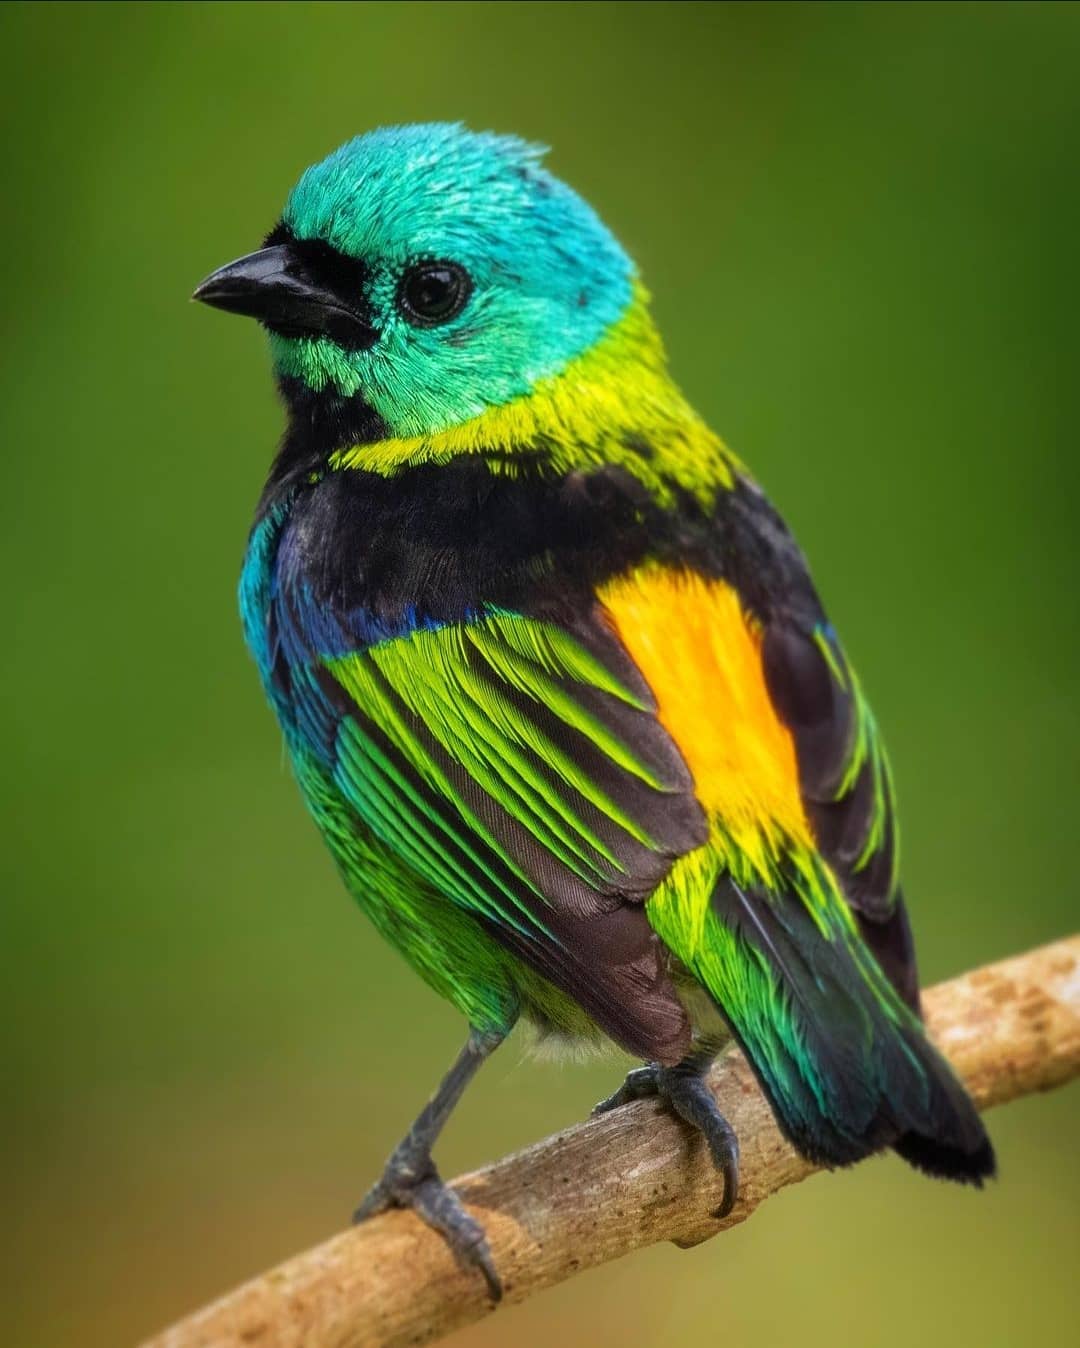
(280, 288)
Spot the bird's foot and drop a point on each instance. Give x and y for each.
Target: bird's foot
(688, 1094)
(413, 1182)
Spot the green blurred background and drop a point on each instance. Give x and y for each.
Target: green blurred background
(860, 223)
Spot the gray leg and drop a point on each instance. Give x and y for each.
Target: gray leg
(685, 1089)
(410, 1179)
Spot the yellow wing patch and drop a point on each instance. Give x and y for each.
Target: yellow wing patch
(701, 655)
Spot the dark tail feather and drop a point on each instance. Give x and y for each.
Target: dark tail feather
(956, 1146)
(844, 1061)
(894, 949)
(960, 1150)
(950, 1163)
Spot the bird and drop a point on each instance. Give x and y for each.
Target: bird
(554, 678)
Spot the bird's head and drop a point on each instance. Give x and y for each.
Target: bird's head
(432, 272)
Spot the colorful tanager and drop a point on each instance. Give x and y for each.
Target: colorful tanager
(556, 684)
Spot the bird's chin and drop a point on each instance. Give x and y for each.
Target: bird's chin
(322, 420)
(318, 361)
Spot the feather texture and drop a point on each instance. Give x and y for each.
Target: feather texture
(556, 683)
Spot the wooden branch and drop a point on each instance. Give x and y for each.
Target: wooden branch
(616, 1183)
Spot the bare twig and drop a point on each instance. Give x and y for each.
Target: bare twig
(616, 1183)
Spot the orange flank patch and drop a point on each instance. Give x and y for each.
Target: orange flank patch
(701, 655)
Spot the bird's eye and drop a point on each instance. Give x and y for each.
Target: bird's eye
(433, 292)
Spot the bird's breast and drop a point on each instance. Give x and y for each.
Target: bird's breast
(371, 558)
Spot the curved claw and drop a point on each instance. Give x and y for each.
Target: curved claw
(724, 1146)
(440, 1207)
(730, 1172)
(687, 1093)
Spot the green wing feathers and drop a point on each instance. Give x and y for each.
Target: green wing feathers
(546, 754)
(508, 787)
(516, 770)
